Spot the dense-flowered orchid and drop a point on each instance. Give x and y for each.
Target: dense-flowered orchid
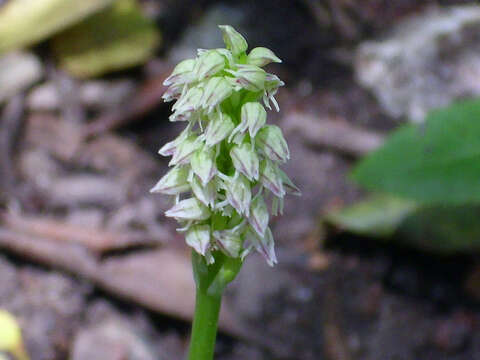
(227, 159)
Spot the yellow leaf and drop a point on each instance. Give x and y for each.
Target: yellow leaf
(114, 39)
(25, 22)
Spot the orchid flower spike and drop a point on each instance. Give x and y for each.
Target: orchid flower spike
(225, 174)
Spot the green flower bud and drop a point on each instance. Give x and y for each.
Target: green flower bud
(288, 185)
(228, 55)
(277, 206)
(271, 141)
(173, 92)
(229, 242)
(245, 160)
(271, 178)
(208, 64)
(203, 164)
(205, 193)
(185, 150)
(254, 116)
(258, 218)
(263, 244)
(249, 77)
(189, 209)
(234, 42)
(272, 83)
(198, 237)
(239, 193)
(261, 56)
(188, 103)
(174, 182)
(169, 148)
(183, 73)
(218, 128)
(217, 89)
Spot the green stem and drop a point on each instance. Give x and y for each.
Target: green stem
(204, 330)
(211, 281)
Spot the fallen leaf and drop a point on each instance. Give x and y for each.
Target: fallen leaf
(114, 39)
(25, 22)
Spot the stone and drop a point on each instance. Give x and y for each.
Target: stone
(48, 306)
(428, 61)
(95, 94)
(109, 335)
(18, 71)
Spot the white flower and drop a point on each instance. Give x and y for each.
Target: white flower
(258, 218)
(271, 141)
(264, 245)
(249, 77)
(219, 127)
(270, 177)
(189, 209)
(183, 73)
(261, 56)
(254, 116)
(198, 237)
(208, 64)
(245, 160)
(203, 164)
(239, 193)
(229, 242)
(235, 42)
(174, 182)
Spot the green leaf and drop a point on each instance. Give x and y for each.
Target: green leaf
(24, 23)
(437, 163)
(440, 229)
(114, 39)
(377, 216)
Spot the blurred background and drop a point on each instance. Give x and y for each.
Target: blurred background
(378, 260)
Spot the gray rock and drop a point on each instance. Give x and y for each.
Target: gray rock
(18, 71)
(47, 305)
(111, 336)
(86, 189)
(428, 61)
(96, 94)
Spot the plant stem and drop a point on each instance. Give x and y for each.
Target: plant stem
(210, 281)
(204, 329)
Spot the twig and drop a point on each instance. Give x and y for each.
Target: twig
(339, 135)
(71, 257)
(9, 129)
(96, 240)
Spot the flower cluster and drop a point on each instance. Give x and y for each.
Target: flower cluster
(227, 157)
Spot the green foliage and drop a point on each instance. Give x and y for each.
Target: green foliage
(377, 216)
(430, 177)
(439, 163)
(440, 229)
(114, 39)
